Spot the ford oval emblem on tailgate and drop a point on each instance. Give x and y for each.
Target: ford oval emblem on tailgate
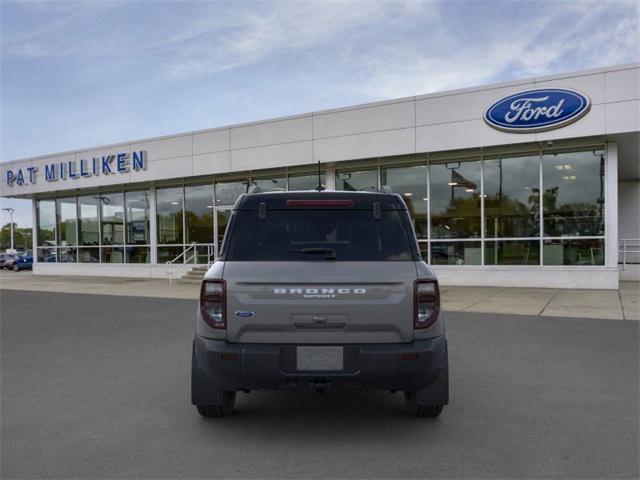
(243, 314)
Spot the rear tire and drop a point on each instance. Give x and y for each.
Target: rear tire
(224, 409)
(417, 409)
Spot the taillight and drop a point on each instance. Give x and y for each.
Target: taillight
(426, 303)
(213, 303)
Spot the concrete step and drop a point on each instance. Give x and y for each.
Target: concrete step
(193, 276)
(197, 272)
(191, 266)
(189, 281)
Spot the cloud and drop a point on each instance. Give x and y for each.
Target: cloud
(114, 71)
(432, 56)
(191, 43)
(287, 26)
(525, 47)
(52, 28)
(403, 48)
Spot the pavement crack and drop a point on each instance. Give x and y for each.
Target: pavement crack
(493, 294)
(624, 315)
(550, 300)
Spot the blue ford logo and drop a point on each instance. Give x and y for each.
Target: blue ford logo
(243, 314)
(537, 110)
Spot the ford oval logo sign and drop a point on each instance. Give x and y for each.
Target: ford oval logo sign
(537, 110)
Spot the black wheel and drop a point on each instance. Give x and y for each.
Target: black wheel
(16, 268)
(416, 409)
(223, 410)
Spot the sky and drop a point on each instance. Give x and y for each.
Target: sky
(87, 73)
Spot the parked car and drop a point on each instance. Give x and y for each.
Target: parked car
(8, 260)
(23, 262)
(320, 290)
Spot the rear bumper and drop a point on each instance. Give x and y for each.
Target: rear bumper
(221, 366)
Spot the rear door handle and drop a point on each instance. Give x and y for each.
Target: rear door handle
(313, 321)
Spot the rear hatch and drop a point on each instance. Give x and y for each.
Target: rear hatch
(320, 268)
(313, 302)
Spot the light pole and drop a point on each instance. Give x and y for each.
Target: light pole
(11, 212)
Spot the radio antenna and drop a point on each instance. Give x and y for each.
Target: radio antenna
(319, 187)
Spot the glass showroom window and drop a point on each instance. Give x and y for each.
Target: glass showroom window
(169, 217)
(271, 184)
(88, 229)
(306, 181)
(512, 197)
(455, 200)
(411, 183)
(228, 192)
(46, 230)
(512, 252)
(112, 227)
(455, 253)
(366, 180)
(137, 227)
(574, 251)
(573, 199)
(455, 212)
(573, 206)
(67, 211)
(198, 215)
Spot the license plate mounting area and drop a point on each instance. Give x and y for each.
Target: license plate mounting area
(319, 359)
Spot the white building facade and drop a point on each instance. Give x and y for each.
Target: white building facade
(531, 183)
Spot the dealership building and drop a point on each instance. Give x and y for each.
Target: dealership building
(529, 183)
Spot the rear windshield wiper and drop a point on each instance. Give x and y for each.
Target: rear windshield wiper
(330, 253)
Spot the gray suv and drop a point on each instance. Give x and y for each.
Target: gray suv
(320, 290)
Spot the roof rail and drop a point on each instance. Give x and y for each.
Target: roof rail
(385, 189)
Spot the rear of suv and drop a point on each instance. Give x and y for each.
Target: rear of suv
(320, 290)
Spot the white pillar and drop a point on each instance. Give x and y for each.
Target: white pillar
(153, 234)
(330, 176)
(11, 228)
(611, 205)
(34, 230)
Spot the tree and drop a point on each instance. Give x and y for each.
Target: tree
(21, 237)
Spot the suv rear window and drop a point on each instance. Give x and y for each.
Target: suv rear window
(320, 235)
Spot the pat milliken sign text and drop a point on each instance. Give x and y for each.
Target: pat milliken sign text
(115, 164)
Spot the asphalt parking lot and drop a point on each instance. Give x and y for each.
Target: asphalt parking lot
(97, 386)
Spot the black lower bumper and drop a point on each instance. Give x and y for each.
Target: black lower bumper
(219, 366)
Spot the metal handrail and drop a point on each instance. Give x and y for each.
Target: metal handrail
(186, 261)
(210, 252)
(628, 245)
(189, 254)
